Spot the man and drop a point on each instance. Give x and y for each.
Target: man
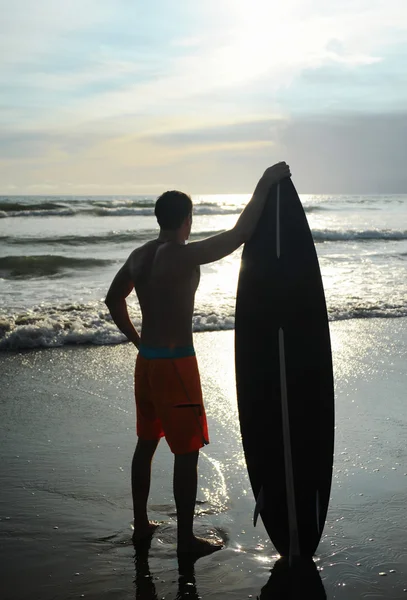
(165, 274)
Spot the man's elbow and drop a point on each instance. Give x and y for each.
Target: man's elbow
(242, 235)
(245, 237)
(108, 302)
(111, 300)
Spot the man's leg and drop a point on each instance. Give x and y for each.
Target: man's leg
(185, 489)
(140, 484)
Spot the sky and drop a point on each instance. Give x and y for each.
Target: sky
(128, 97)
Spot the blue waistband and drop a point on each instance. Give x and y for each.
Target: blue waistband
(165, 352)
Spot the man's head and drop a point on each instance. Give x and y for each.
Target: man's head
(174, 211)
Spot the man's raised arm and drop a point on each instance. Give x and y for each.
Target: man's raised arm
(218, 246)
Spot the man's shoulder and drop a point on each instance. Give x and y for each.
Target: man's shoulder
(144, 249)
(174, 254)
(165, 252)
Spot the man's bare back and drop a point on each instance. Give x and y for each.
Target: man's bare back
(166, 293)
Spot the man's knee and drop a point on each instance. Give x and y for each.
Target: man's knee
(190, 458)
(147, 447)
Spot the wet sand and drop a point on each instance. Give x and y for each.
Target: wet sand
(67, 420)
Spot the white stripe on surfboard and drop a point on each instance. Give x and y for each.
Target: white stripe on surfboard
(288, 461)
(278, 222)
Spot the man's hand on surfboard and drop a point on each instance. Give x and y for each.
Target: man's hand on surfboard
(275, 174)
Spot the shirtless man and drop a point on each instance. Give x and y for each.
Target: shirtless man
(165, 274)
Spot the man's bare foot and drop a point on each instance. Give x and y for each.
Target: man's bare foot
(145, 531)
(200, 546)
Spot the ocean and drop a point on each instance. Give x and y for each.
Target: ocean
(58, 255)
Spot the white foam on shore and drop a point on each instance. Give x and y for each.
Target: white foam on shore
(55, 326)
(81, 325)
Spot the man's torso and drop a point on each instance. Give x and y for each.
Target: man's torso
(166, 290)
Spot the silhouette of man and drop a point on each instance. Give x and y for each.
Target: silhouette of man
(165, 274)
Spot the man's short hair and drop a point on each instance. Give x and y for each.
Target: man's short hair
(172, 208)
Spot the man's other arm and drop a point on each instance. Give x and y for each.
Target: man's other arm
(115, 300)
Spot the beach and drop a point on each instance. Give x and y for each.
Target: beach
(68, 434)
(134, 137)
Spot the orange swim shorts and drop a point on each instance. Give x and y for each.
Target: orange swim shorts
(169, 398)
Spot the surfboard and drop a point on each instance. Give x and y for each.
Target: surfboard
(284, 377)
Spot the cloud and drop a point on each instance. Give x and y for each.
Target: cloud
(102, 59)
(111, 92)
(29, 31)
(246, 132)
(38, 144)
(328, 153)
(332, 153)
(349, 153)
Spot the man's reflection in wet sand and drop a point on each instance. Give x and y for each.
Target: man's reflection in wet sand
(144, 583)
(186, 581)
(301, 580)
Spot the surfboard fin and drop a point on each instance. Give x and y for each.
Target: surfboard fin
(259, 506)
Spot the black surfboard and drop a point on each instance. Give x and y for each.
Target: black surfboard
(284, 375)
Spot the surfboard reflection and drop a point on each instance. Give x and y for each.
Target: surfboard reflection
(302, 580)
(144, 583)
